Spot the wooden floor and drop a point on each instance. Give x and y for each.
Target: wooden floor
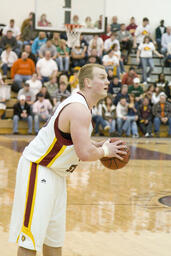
(109, 212)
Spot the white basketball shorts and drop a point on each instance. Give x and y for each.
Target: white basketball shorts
(39, 208)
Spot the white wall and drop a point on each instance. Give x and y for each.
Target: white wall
(155, 10)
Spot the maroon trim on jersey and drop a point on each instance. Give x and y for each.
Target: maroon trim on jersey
(84, 98)
(60, 139)
(54, 151)
(31, 188)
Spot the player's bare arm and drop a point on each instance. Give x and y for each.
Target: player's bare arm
(78, 126)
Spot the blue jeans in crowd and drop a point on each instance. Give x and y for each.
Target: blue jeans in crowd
(127, 126)
(112, 125)
(145, 62)
(99, 121)
(19, 79)
(63, 63)
(5, 69)
(16, 118)
(157, 123)
(37, 119)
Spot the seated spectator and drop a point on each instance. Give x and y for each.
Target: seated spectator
(22, 70)
(8, 57)
(168, 91)
(108, 44)
(73, 80)
(145, 52)
(4, 96)
(27, 49)
(132, 116)
(110, 74)
(121, 112)
(45, 93)
(114, 26)
(12, 27)
(132, 26)
(98, 120)
(26, 21)
(156, 95)
(84, 44)
(43, 22)
(78, 56)
(96, 43)
(22, 111)
(129, 76)
(52, 88)
(162, 114)
(63, 57)
(38, 42)
(117, 54)
(41, 109)
(145, 117)
(9, 39)
(125, 39)
(110, 61)
(141, 31)
(35, 84)
(114, 86)
(168, 56)
(48, 46)
(56, 39)
(165, 40)
(149, 92)
(61, 91)
(136, 89)
(122, 94)
(107, 34)
(64, 78)
(46, 67)
(159, 31)
(93, 57)
(98, 23)
(28, 34)
(109, 114)
(28, 93)
(88, 22)
(161, 82)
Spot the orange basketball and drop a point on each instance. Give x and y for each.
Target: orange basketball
(113, 162)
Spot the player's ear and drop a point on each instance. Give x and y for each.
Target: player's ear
(87, 82)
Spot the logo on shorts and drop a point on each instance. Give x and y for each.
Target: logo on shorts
(43, 181)
(23, 238)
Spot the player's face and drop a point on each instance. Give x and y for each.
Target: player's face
(100, 82)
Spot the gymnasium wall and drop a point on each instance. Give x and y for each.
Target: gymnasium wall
(124, 9)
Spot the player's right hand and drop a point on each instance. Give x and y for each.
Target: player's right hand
(115, 149)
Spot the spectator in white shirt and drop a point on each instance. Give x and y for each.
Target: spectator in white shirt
(15, 30)
(35, 84)
(8, 57)
(145, 52)
(110, 42)
(110, 61)
(46, 67)
(141, 31)
(166, 40)
(96, 43)
(123, 122)
(28, 93)
(41, 109)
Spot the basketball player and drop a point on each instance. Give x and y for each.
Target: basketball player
(38, 215)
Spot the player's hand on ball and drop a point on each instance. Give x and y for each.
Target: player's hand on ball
(114, 149)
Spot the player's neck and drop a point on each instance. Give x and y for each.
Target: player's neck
(90, 99)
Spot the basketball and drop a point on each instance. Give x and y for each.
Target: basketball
(114, 163)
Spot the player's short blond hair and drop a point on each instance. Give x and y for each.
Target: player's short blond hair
(87, 72)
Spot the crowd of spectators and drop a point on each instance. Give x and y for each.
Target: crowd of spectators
(43, 71)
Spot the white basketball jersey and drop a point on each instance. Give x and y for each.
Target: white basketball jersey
(49, 148)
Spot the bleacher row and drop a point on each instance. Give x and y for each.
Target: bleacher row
(6, 125)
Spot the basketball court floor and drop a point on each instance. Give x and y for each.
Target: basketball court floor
(124, 213)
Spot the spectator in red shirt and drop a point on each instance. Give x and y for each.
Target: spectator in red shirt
(132, 26)
(129, 76)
